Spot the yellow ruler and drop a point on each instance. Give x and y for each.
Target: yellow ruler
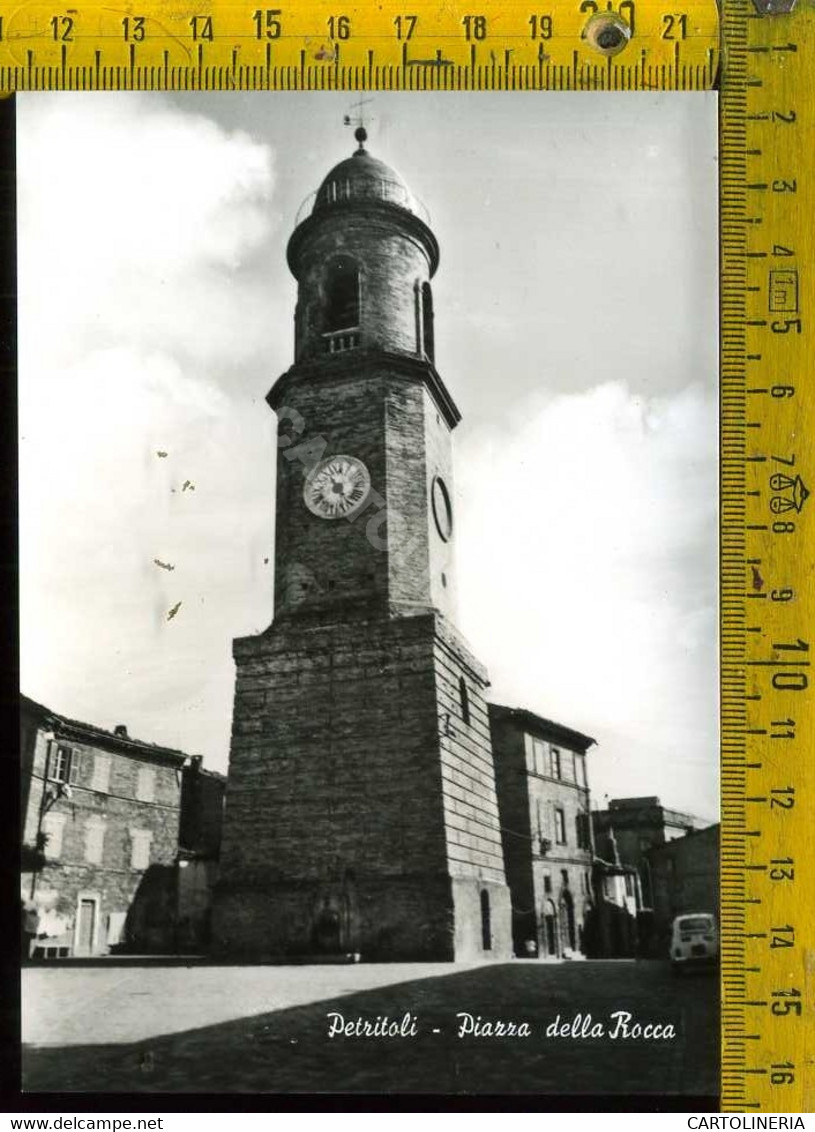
(333, 45)
(767, 550)
(768, 358)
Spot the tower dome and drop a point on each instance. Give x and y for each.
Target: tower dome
(363, 258)
(362, 177)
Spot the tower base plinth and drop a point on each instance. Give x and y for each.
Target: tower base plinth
(361, 815)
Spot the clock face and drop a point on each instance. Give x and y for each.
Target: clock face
(442, 508)
(336, 487)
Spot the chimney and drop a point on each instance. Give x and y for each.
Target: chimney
(121, 730)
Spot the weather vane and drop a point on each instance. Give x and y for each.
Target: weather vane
(359, 119)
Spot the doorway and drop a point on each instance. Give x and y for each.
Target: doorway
(87, 916)
(568, 939)
(327, 932)
(550, 928)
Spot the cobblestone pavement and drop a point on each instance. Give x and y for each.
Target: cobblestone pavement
(265, 1029)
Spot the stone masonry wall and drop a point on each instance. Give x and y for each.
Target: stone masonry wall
(337, 832)
(320, 562)
(418, 448)
(439, 462)
(391, 263)
(390, 550)
(513, 804)
(117, 886)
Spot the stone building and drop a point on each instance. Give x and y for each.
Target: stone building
(684, 877)
(544, 804)
(625, 834)
(637, 825)
(622, 925)
(101, 820)
(361, 813)
(199, 838)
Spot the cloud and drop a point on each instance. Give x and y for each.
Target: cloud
(140, 299)
(595, 521)
(139, 237)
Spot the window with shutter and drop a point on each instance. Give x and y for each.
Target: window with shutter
(59, 764)
(52, 827)
(101, 773)
(116, 928)
(94, 840)
(146, 784)
(74, 766)
(140, 848)
(529, 749)
(555, 763)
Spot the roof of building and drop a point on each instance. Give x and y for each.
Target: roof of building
(363, 177)
(88, 732)
(212, 774)
(632, 812)
(546, 728)
(675, 845)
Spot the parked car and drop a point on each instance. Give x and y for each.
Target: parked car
(694, 941)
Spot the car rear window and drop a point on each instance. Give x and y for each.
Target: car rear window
(696, 923)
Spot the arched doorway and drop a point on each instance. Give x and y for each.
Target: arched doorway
(332, 922)
(327, 931)
(568, 938)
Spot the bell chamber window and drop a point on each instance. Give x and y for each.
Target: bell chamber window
(341, 320)
(427, 322)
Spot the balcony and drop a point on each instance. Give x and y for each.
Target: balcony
(337, 341)
(345, 191)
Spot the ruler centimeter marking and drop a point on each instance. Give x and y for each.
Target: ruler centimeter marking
(767, 199)
(767, 207)
(334, 45)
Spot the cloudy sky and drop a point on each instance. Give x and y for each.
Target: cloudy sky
(575, 327)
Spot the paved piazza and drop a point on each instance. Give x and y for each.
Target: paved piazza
(112, 1027)
(130, 1004)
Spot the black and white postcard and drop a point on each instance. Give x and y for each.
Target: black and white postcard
(368, 590)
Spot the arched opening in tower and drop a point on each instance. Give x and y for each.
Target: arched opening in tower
(427, 321)
(342, 295)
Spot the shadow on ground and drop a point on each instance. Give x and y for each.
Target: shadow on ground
(290, 1051)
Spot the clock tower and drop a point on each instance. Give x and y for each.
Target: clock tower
(361, 812)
